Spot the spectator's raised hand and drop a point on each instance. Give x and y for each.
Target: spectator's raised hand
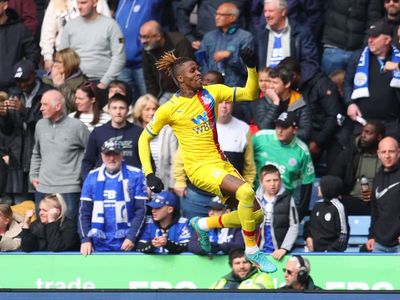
(271, 94)
(28, 218)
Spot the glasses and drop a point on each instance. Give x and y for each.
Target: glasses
(146, 37)
(287, 271)
(223, 14)
(394, 1)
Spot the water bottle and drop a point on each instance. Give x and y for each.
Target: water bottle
(364, 184)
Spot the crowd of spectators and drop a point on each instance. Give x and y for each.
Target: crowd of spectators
(70, 121)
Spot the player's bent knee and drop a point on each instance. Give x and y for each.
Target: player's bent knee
(245, 195)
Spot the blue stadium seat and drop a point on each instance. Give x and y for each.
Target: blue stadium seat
(359, 226)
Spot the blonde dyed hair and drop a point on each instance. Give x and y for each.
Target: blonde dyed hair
(56, 201)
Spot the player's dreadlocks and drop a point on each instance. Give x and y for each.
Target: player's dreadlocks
(169, 63)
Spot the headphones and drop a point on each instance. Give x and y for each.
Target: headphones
(302, 275)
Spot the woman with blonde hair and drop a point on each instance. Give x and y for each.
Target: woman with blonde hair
(163, 146)
(9, 230)
(57, 14)
(65, 75)
(53, 231)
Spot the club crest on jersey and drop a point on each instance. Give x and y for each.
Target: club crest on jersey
(206, 99)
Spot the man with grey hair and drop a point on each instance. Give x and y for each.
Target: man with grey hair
(297, 274)
(284, 36)
(57, 155)
(221, 46)
(155, 43)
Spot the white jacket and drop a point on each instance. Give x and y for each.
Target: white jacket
(55, 20)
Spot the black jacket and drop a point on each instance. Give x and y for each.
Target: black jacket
(385, 207)
(19, 129)
(267, 113)
(54, 236)
(347, 20)
(323, 99)
(302, 47)
(156, 84)
(16, 43)
(128, 136)
(328, 226)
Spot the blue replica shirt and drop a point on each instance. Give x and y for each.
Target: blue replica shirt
(177, 233)
(116, 207)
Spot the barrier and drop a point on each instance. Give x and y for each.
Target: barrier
(185, 271)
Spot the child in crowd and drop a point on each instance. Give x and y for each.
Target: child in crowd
(280, 226)
(328, 228)
(221, 239)
(166, 231)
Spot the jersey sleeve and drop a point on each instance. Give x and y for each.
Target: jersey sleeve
(308, 173)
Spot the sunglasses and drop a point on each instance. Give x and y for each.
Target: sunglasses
(394, 1)
(287, 271)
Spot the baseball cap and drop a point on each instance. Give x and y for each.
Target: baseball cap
(287, 119)
(111, 146)
(380, 27)
(23, 69)
(164, 198)
(216, 203)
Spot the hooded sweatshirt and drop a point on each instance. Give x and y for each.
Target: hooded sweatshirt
(328, 225)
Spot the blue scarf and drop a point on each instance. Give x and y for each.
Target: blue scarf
(361, 78)
(125, 206)
(277, 51)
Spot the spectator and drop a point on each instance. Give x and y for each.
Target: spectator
(366, 82)
(99, 42)
(213, 77)
(325, 105)
(27, 12)
(163, 146)
(205, 9)
(283, 149)
(221, 239)
(297, 274)
(222, 46)
(87, 106)
(131, 15)
(328, 228)
(58, 13)
(392, 16)
(65, 75)
(112, 208)
(53, 231)
(16, 43)
(281, 97)
(243, 274)
(21, 112)
(10, 230)
(155, 43)
(344, 30)
(284, 37)
(57, 155)
(165, 231)
(384, 233)
(144, 109)
(280, 225)
(305, 12)
(118, 129)
(359, 160)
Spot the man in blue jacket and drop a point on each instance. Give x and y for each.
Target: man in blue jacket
(113, 204)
